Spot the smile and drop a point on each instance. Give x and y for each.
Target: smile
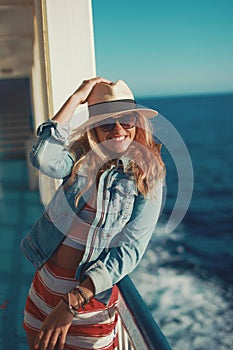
(117, 138)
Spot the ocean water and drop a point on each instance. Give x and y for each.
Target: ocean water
(186, 276)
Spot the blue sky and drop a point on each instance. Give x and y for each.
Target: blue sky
(169, 47)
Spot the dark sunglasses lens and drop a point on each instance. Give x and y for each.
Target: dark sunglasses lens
(127, 121)
(107, 126)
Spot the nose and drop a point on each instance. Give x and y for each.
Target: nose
(118, 127)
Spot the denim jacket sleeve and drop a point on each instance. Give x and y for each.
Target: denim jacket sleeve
(123, 258)
(50, 154)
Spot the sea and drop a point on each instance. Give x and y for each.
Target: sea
(186, 276)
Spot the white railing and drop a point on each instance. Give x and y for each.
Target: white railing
(137, 327)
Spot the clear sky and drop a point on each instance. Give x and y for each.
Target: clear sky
(165, 47)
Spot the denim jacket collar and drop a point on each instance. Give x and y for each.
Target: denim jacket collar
(122, 162)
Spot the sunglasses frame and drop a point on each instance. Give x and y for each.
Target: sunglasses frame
(105, 126)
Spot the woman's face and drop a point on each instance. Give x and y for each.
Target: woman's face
(117, 133)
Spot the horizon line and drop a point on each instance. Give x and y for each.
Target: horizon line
(194, 94)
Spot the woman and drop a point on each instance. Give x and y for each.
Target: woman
(100, 220)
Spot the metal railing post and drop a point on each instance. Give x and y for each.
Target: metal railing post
(150, 333)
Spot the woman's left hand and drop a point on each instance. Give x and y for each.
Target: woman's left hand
(54, 329)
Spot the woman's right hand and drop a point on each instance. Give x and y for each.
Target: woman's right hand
(54, 329)
(86, 87)
(80, 96)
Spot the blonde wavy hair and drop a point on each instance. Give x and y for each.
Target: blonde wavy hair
(145, 165)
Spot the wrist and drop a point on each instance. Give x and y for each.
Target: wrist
(66, 301)
(73, 300)
(78, 297)
(70, 298)
(75, 99)
(88, 287)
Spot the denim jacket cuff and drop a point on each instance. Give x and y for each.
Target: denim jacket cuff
(59, 132)
(99, 276)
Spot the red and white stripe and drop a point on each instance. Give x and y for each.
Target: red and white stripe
(95, 327)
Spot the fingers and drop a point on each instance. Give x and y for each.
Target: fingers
(97, 80)
(48, 341)
(90, 83)
(103, 80)
(62, 341)
(38, 339)
(53, 341)
(58, 339)
(86, 87)
(42, 340)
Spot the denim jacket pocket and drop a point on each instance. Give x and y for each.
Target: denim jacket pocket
(124, 195)
(121, 205)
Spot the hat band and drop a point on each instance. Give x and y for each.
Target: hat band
(111, 107)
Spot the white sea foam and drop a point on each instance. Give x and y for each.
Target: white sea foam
(194, 313)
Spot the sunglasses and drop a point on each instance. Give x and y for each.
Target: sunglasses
(127, 121)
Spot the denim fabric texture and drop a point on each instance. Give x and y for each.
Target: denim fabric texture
(123, 224)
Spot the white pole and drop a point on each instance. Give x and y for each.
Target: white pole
(66, 53)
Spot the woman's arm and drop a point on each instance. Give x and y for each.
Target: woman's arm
(50, 154)
(123, 257)
(80, 96)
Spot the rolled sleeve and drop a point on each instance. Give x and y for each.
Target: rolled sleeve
(100, 277)
(55, 130)
(50, 154)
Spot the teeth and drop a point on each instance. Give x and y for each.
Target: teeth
(118, 138)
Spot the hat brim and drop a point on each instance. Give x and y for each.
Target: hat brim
(91, 122)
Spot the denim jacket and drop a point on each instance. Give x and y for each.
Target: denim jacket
(122, 227)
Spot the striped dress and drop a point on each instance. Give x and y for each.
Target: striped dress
(95, 327)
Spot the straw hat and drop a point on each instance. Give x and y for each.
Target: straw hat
(106, 100)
